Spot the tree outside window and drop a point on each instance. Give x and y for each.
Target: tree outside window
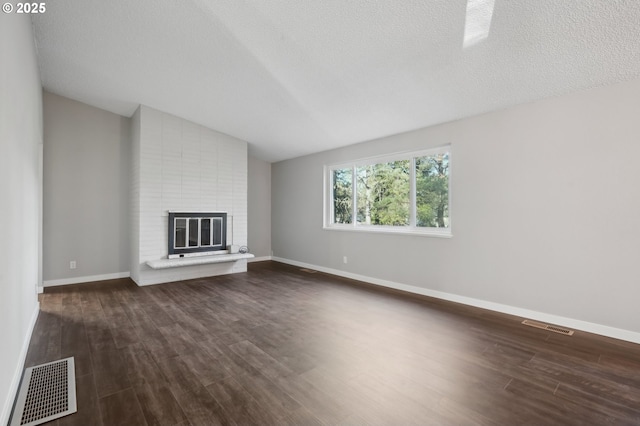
(342, 198)
(409, 191)
(432, 191)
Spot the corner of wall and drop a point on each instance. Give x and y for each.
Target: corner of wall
(134, 202)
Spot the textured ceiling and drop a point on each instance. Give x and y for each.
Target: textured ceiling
(293, 77)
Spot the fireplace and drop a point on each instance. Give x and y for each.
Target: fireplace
(196, 233)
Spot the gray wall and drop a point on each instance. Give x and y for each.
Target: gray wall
(259, 207)
(20, 198)
(86, 190)
(544, 210)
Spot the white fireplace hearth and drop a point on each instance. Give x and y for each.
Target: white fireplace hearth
(198, 260)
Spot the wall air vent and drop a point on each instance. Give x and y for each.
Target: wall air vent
(47, 392)
(548, 327)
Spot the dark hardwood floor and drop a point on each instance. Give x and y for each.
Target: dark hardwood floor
(281, 346)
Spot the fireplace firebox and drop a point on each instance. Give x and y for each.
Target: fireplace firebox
(196, 233)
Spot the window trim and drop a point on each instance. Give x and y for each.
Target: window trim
(411, 229)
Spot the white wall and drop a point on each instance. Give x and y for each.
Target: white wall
(86, 192)
(20, 198)
(544, 210)
(183, 166)
(259, 204)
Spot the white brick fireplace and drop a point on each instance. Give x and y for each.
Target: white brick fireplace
(181, 166)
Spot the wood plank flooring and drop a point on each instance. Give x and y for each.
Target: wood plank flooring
(277, 345)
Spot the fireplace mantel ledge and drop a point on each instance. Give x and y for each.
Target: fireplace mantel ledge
(197, 260)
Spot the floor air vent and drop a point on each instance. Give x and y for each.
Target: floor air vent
(308, 271)
(548, 327)
(47, 392)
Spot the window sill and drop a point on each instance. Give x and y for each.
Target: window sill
(430, 232)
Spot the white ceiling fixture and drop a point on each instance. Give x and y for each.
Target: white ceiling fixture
(294, 77)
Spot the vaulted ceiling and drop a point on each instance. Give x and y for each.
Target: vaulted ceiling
(293, 77)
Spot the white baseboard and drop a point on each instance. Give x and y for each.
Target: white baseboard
(603, 330)
(17, 376)
(259, 259)
(90, 278)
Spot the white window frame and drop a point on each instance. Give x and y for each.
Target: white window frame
(328, 216)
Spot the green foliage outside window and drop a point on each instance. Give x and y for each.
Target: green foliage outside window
(432, 191)
(342, 182)
(383, 193)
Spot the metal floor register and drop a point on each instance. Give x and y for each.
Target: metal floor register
(47, 392)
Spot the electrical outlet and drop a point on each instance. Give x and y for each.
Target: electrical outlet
(344, 259)
(72, 264)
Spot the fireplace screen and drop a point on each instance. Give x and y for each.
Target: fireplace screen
(191, 233)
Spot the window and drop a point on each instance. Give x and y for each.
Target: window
(342, 195)
(406, 192)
